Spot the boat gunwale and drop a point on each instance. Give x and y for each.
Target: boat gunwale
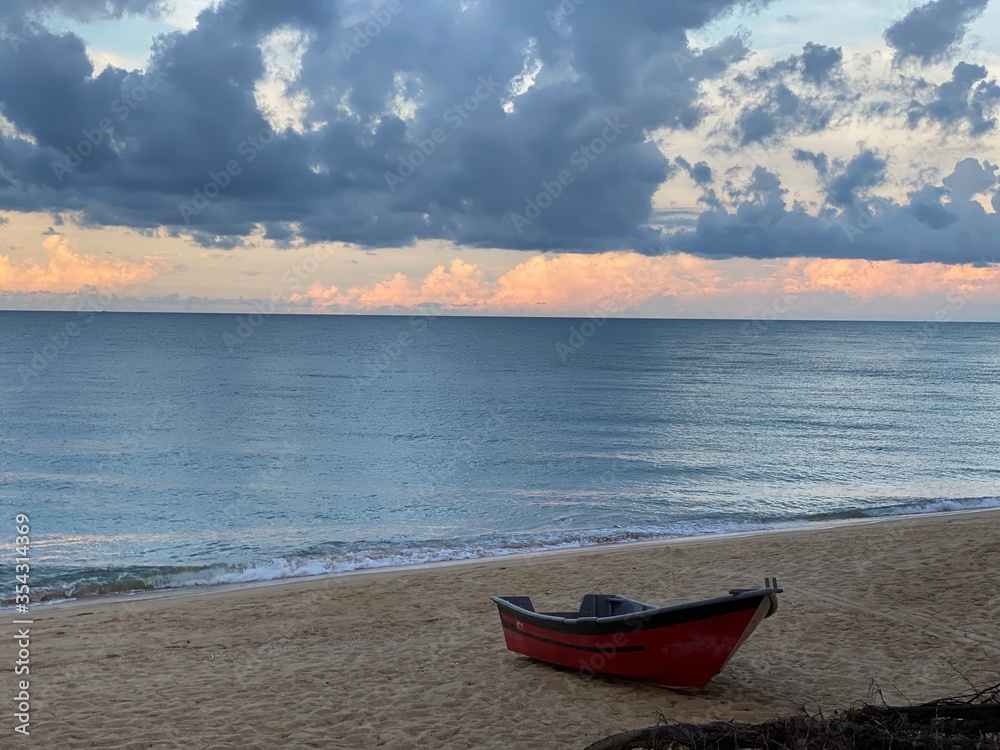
(643, 616)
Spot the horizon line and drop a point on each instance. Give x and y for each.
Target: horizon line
(448, 314)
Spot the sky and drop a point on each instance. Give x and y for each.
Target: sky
(685, 158)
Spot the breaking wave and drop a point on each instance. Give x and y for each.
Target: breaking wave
(68, 584)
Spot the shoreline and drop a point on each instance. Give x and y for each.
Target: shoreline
(414, 658)
(202, 590)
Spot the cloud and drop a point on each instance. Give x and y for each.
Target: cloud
(615, 283)
(625, 280)
(968, 97)
(871, 279)
(458, 286)
(355, 96)
(865, 170)
(326, 120)
(80, 10)
(700, 172)
(929, 32)
(819, 161)
(820, 63)
(797, 95)
(776, 115)
(970, 178)
(68, 271)
(543, 284)
(938, 223)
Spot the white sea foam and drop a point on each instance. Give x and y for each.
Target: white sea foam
(934, 506)
(390, 557)
(345, 560)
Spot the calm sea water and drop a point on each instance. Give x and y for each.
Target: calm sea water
(158, 450)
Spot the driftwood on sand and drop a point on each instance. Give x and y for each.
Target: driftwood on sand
(969, 722)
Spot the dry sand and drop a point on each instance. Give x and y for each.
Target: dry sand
(415, 658)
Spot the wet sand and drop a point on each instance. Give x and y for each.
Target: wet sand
(414, 658)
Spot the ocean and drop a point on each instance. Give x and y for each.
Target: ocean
(157, 451)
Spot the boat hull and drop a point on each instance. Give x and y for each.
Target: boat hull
(681, 648)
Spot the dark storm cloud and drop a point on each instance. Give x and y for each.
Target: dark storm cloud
(23, 18)
(865, 170)
(817, 64)
(952, 206)
(819, 161)
(760, 224)
(700, 172)
(186, 147)
(797, 95)
(820, 63)
(928, 208)
(781, 112)
(968, 97)
(971, 177)
(931, 31)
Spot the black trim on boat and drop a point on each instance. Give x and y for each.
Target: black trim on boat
(644, 620)
(507, 626)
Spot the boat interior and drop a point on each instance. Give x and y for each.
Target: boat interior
(614, 605)
(593, 605)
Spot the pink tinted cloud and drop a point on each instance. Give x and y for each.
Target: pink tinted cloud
(560, 283)
(868, 279)
(615, 282)
(568, 282)
(69, 271)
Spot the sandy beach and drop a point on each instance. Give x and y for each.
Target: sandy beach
(416, 659)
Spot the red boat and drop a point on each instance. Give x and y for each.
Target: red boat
(680, 647)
